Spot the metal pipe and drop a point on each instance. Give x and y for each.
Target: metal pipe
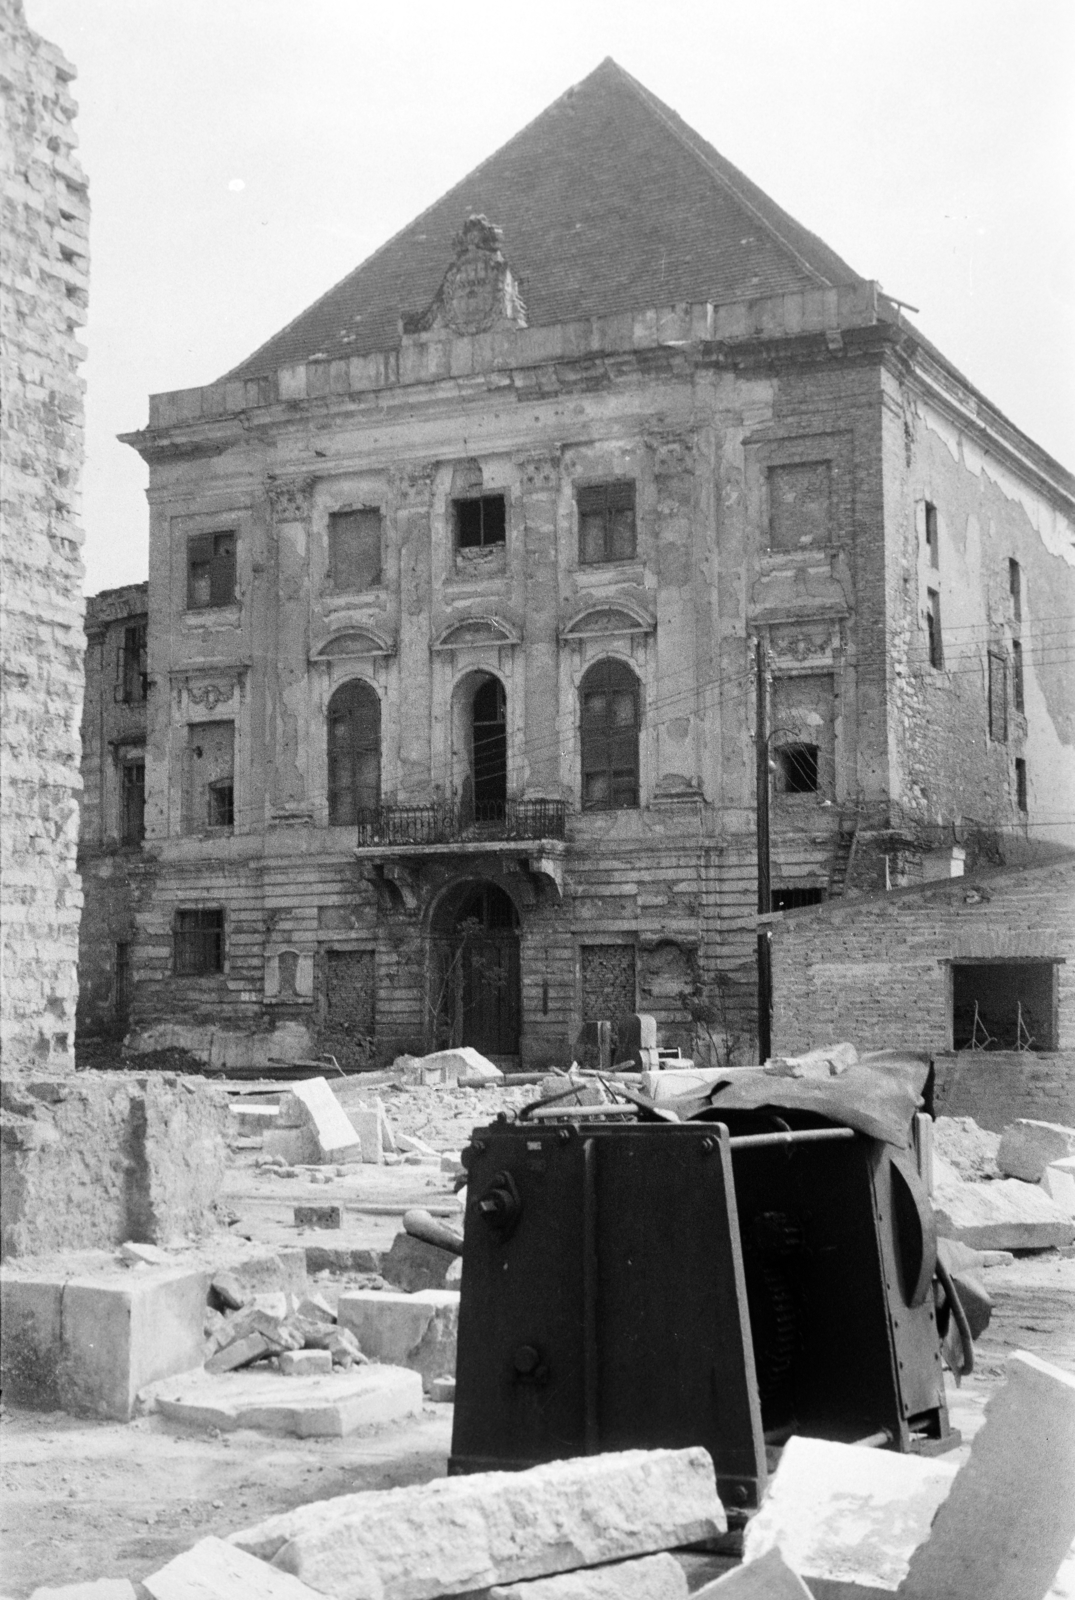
(754, 1141)
(589, 1297)
(875, 1441)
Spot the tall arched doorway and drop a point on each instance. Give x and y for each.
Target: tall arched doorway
(475, 985)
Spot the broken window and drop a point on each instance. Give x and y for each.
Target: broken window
(133, 680)
(796, 768)
(608, 981)
(210, 570)
(354, 550)
(607, 522)
(933, 628)
(998, 696)
(1004, 1005)
(349, 991)
(210, 791)
(198, 942)
(1017, 675)
(803, 737)
(788, 899)
(354, 753)
(609, 737)
(132, 800)
(480, 522)
(800, 512)
(932, 539)
(490, 738)
(1015, 589)
(1020, 783)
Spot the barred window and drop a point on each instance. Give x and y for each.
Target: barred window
(609, 737)
(354, 753)
(607, 522)
(198, 939)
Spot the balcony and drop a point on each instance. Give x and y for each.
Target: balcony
(507, 821)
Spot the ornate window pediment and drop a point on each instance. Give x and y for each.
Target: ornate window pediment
(600, 622)
(475, 632)
(354, 642)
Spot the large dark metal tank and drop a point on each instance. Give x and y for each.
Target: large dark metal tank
(631, 1283)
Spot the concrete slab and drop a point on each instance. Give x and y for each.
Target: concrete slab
(369, 1125)
(408, 1330)
(329, 1406)
(1009, 1521)
(322, 1114)
(98, 1589)
(846, 1513)
(216, 1570)
(1003, 1215)
(459, 1534)
(1027, 1147)
(767, 1578)
(658, 1577)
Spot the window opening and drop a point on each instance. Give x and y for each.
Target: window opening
(609, 737)
(932, 537)
(480, 522)
(133, 802)
(1020, 783)
(607, 522)
(199, 942)
(998, 696)
(1004, 1005)
(490, 741)
(354, 550)
(354, 753)
(133, 680)
(796, 768)
(210, 776)
(933, 628)
(789, 899)
(1017, 675)
(210, 570)
(1015, 588)
(222, 803)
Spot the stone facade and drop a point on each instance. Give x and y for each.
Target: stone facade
(43, 297)
(110, 856)
(492, 537)
(887, 970)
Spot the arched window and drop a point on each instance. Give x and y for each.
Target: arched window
(489, 725)
(354, 752)
(609, 728)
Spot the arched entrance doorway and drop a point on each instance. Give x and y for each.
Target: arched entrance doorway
(476, 996)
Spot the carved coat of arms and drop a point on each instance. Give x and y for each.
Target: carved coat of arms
(479, 292)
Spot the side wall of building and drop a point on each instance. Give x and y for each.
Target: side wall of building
(43, 297)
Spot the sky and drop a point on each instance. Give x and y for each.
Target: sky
(244, 155)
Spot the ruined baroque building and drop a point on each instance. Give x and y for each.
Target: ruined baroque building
(44, 223)
(454, 592)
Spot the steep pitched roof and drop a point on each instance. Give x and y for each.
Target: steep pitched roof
(608, 202)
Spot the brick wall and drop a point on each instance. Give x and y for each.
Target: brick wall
(43, 280)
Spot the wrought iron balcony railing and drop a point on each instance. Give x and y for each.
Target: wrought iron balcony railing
(462, 824)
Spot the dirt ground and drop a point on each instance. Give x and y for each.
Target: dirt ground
(84, 1500)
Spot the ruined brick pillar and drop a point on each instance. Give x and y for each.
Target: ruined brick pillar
(43, 279)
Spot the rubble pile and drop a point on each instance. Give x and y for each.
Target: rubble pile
(1006, 1192)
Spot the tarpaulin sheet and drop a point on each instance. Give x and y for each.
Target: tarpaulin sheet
(878, 1096)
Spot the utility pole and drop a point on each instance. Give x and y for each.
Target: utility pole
(765, 899)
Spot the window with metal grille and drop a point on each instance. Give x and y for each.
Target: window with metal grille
(480, 522)
(354, 550)
(354, 753)
(1017, 675)
(210, 570)
(800, 505)
(132, 801)
(1004, 1005)
(608, 981)
(198, 942)
(933, 628)
(796, 768)
(607, 522)
(998, 696)
(609, 696)
(350, 986)
(133, 681)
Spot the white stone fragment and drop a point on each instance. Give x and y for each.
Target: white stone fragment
(1009, 1521)
(658, 1577)
(1003, 1215)
(846, 1513)
(323, 1115)
(97, 1589)
(331, 1404)
(1058, 1181)
(216, 1570)
(767, 1578)
(407, 1330)
(1027, 1147)
(463, 1533)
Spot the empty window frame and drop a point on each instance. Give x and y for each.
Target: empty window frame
(354, 550)
(607, 522)
(132, 800)
(800, 505)
(210, 570)
(933, 628)
(1018, 700)
(932, 538)
(796, 768)
(1020, 784)
(803, 734)
(789, 899)
(210, 790)
(998, 696)
(133, 681)
(198, 942)
(221, 803)
(354, 753)
(1004, 1005)
(609, 724)
(480, 522)
(1015, 589)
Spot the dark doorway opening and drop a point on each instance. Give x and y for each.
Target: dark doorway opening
(1004, 1005)
(490, 736)
(476, 989)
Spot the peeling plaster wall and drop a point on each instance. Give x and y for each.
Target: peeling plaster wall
(43, 284)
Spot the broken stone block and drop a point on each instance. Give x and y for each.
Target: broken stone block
(1058, 1181)
(410, 1143)
(315, 1308)
(319, 1216)
(149, 1255)
(969, 1149)
(767, 1578)
(658, 1577)
(1009, 1520)
(1003, 1215)
(407, 1330)
(328, 1405)
(97, 1589)
(241, 1353)
(846, 1513)
(216, 1570)
(450, 1066)
(226, 1291)
(1027, 1148)
(343, 1348)
(322, 1115)
(463, 1533)
(253, 1119)
(290, 1147)
(829, 1061)
(368, 1124)
(304, 1363)
(414, 1264)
